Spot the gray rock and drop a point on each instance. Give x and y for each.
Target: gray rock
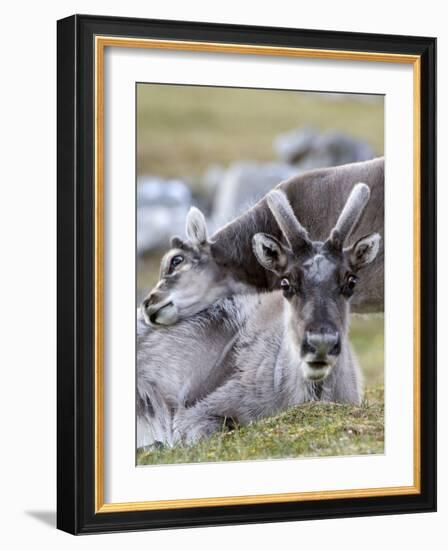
(294, 145)
(334, 149)
(162, 206)
(307, 149)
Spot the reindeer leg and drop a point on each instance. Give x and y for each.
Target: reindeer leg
(209, 415)
(154, 418)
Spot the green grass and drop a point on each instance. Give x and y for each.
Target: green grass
(367, 338)
(309, 430)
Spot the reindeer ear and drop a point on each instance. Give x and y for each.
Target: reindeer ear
(364, 251)
(270, 253)
(176, 242)
(196, 228)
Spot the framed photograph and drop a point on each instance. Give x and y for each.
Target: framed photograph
(246, 274)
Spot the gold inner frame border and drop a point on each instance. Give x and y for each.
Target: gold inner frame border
(101, 42)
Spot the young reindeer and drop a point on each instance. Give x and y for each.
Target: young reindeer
(181, 347)
(183, 359)
(291, 348)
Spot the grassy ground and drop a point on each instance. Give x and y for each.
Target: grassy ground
(181, 131)
(312, 429)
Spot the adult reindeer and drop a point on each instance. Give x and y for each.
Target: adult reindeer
(199, 271)
(179, 365)
(292, 348)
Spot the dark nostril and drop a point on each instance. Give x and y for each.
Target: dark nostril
(336, 349)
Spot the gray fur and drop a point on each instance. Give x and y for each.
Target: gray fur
(267, 375)
(179, 364)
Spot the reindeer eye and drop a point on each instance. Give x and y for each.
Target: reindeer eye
(351, 281)
(176, 260)
(284, 284)
(349, 286)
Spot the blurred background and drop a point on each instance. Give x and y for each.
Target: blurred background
(222, 149)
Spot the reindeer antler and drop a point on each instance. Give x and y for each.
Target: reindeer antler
(350, 215)
(293, 231)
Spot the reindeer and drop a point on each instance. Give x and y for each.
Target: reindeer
(180, 364)
(294, 345)
(199, 271)
(180, 367)
(177, 364)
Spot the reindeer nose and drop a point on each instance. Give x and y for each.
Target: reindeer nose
(322, 344)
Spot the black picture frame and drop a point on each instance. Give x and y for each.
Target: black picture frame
(76, 272)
